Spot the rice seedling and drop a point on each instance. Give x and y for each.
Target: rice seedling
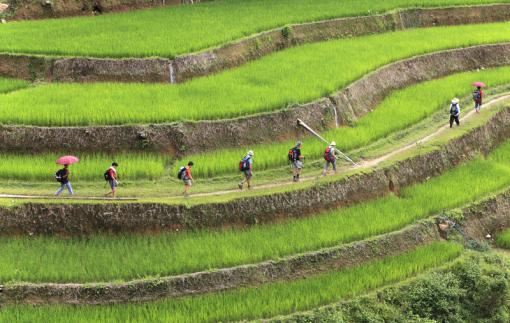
(8, 85)
(300, 74)
(103, 258)
(167, 32)
(503, 239)
(257, 302)
(90, 168)
(398, 111)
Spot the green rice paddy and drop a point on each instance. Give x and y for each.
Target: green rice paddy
(398, 111)
(8, 85)
(170, 31)
(299, 74)
(103, 258)
(251, 303)
(91, 167)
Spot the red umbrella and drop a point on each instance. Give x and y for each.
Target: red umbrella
(479, 84)
(67, 160)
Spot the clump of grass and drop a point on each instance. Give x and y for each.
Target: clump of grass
(102, 258)
(252, 303)
(300, 74)
(398, 111)
(9, 85)
(90, 168)
(503, 239)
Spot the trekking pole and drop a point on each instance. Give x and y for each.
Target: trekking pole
(304, 125)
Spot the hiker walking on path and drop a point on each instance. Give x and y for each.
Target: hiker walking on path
(330, 157)
(111, 176)
(185, 175)
(246, 166)
(296, 160)
(62, 176)
(477, 97)
(454, 112)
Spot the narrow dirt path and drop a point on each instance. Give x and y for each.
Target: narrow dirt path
(376, 161)
(360, 165)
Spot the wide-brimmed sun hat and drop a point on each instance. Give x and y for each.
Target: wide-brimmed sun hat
(333, 143)
(250, 153)
(455, 101)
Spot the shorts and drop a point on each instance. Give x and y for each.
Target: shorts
(247, 173)
(297, 164)
(113, 183)
(187, 182)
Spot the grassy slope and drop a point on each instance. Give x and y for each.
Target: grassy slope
(102, 258)
(170, 31)
(250, 303)
(299, 74)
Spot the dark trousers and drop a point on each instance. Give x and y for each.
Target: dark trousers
(454, 118)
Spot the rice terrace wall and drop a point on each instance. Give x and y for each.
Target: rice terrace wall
(41, 9)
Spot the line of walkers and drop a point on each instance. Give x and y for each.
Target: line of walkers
(295, 158)
(110, 175)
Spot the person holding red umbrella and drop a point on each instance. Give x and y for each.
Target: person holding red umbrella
(478, 95)
(62, 175)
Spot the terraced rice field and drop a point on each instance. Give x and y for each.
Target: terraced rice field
(105, 250)
(167, 32)
(398, 111)
(300, 74)
(251, 303)
(102, 258)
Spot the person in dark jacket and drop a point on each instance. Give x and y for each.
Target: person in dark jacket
(62, 177)
(454, 112)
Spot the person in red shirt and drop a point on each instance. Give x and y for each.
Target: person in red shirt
(187, 179)
(477, 97)
(112, 179)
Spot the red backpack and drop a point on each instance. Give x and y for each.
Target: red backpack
(327, 155)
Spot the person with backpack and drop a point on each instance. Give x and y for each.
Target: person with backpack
(62, 176)
(330, 158)
(246, 166)
(296, 160)
(184, 174)
(477, 97)
(112, 178)
(454, 112)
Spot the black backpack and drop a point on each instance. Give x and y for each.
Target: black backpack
(181, 171)
(107, 176)
(477, 95)
(292, 155)
(59, 175)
